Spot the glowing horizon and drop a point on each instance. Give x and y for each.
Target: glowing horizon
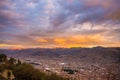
(59, 23)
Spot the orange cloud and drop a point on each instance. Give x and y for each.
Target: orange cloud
(16, 48)
(68, 42)
(41, 40)
(2, 45)
(87, 39)
(80, 41)
(12, 47)
(60, 41)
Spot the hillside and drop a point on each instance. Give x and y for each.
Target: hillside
(95, 55)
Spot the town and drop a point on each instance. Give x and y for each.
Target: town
(78, 66)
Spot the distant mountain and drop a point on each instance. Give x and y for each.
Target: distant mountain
(96, 54)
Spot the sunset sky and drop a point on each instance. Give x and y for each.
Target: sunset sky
(59, 23)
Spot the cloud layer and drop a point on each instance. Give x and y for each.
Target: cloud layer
(55, 23)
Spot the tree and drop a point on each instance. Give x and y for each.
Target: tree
(12, 60)
(3, 58)
(18, 63)
(27, 72)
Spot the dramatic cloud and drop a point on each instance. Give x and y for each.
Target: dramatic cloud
(94, 11)
(57, 23)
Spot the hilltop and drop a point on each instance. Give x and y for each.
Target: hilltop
(95, 55)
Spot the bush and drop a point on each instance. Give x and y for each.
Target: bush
(53, 77)
(27, 72)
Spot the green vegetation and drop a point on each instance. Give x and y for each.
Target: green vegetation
(53, 77)
(3, 58)
(23, 71)
(12, 61)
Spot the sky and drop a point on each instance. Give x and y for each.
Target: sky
(59, 23)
